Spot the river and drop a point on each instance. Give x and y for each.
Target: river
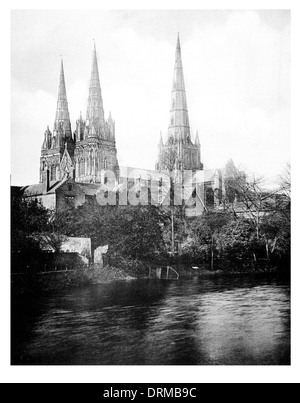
(220, 321)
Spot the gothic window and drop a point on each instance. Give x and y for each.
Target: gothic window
(90, 163)
(81, 169)
(53, 173)
(172, 120)
(173, 104)
(105, 163)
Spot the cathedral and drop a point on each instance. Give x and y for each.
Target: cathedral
(74, 165)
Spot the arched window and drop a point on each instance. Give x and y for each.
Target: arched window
(81, 169)
(105, 163)
(53, 173)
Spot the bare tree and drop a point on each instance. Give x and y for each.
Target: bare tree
(170, 165)
(251, 198)
(285, 182)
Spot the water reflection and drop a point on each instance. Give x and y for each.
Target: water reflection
(200, 322)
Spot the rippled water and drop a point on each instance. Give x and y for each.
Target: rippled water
(223, 321)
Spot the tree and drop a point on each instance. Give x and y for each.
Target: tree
(276, 226)
(247, 196)
(203, 243)
(27, 217)
(172, 166)
(237, 241)
(135, 232)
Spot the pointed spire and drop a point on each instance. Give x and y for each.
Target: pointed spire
(161, 142)
(178, 42)
(62, 117)
(95, 113)
(197, 141)
(179, 119)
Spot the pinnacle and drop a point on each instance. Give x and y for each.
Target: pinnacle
(178, 42)
(161, 139)
(62, 111)
(95, 105)
(62, 85)
(179, 114)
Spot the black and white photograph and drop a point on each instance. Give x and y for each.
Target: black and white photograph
(150, 187)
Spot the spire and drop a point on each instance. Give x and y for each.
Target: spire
(197, 141)
(179, 119)
(161, 142)
(62, 117)
(178, 42)
(95, 113)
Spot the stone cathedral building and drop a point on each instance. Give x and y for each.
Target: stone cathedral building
(73, 165)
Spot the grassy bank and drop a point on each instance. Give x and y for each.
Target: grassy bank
(57, 280)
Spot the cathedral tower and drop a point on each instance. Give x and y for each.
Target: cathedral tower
(57, 152)
(179, 152)
(95, 151)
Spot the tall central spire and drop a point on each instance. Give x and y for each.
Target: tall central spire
(179, 143)
(179, 119)
(62, 117)
(95, 112)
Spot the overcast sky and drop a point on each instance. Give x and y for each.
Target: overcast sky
(237, 75)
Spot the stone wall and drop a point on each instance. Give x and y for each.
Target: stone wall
(81, 246)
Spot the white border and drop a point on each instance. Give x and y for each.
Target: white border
(100, 374)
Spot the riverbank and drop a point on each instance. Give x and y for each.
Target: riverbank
(58, 280)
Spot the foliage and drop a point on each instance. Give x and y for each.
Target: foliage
(253, 225)
(27, 217)
(134, 232)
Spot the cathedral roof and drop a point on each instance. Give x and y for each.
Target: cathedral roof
(33, 190)
(37, 189)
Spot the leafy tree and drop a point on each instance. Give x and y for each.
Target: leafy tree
(202, 243)
(135, 232)
(27, 217)
(237, 240)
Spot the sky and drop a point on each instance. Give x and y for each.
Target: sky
(237, 76)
